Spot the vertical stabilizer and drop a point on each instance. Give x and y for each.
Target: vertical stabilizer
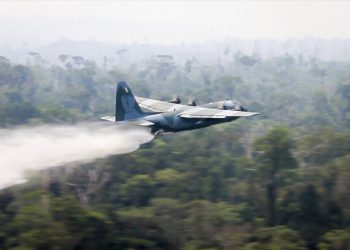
(126, 107)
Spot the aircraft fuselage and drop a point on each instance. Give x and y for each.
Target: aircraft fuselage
(171, 122)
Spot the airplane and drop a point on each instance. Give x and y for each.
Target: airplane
(166, 117)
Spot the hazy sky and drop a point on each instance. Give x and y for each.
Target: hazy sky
(170, 22)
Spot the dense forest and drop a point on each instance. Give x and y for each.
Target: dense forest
(277, 181)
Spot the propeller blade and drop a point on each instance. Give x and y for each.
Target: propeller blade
(192, 102)
(176, 100)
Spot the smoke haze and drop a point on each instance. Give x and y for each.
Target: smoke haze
(31, 22)
(38, 148)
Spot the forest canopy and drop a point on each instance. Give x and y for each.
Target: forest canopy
(277, 181)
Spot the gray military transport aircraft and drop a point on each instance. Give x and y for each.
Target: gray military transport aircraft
(165, 117)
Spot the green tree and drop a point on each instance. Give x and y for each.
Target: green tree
(336, 240)
(276, 238)
(138, 190)
(310, 218)
(274, 156)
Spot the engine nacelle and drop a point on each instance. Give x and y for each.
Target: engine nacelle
(228, 105)
(233, 105)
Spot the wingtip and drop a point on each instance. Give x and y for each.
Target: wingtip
(250, 113)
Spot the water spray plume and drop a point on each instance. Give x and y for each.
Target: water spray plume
(37, 148)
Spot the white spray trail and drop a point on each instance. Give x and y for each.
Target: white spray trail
(42, 147)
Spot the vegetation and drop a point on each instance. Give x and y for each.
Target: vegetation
(277, 181)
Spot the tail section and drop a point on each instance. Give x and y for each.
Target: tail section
(126, 107)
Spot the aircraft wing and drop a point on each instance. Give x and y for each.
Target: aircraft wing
(189, 112)
(138, 122)
(156, 105)
(201, 113)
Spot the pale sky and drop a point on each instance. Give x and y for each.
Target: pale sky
(171, 22)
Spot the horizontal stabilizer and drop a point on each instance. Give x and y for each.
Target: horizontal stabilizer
(142, 123)
(138, 122)
(108, 118)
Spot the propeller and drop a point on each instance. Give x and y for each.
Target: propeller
(192, 102)
(176, 100)
(233, 105)
(239, 107)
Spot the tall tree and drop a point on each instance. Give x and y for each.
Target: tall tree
(274, 156)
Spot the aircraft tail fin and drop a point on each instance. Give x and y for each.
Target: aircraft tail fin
(126, 106)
